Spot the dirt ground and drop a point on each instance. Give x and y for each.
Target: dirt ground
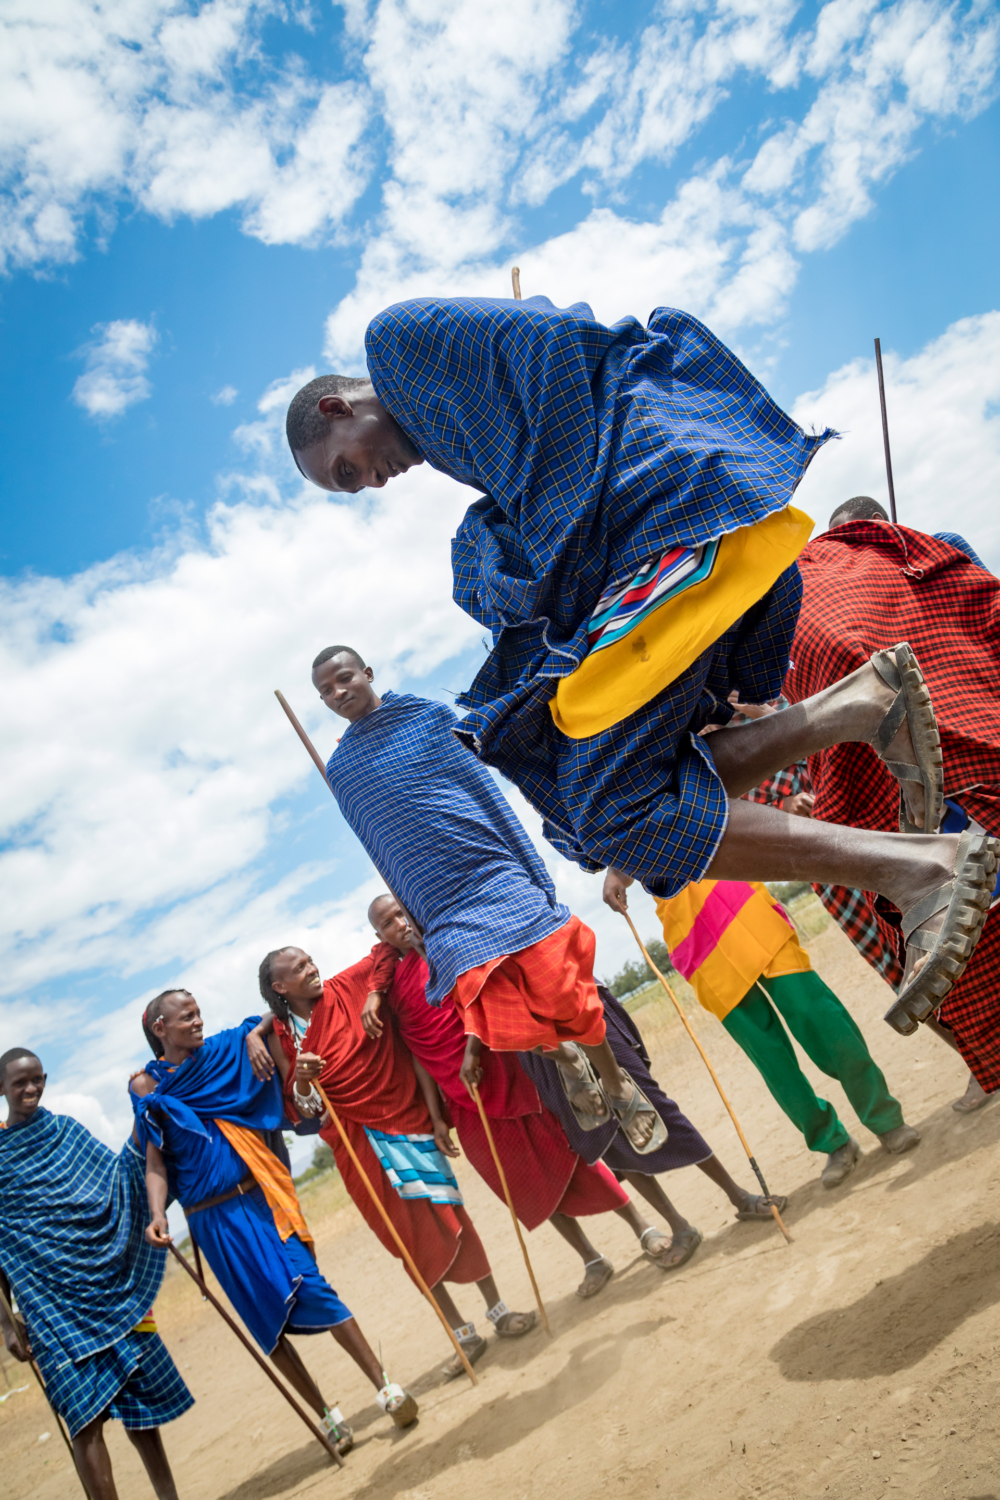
(862, 1361)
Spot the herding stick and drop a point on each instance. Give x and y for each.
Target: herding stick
(207, 1295)
(407, 1257)
(38, 1376)
(885, 430)
(515, 281)
(704, 1057)
(510, 1204)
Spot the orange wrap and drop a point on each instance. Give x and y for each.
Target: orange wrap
(273, 1179)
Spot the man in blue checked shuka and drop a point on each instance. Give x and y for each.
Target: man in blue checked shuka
(74, 1253)
(200, 1112)
(633, 553)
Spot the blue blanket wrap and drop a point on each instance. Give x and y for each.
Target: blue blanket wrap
(596, 450)
(274, 1285)
(73, 1216)
(441, 833)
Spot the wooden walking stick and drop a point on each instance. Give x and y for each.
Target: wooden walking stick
(885, 430)
(407, 1257)
(510, 1204)
(38, 1376)
(208, 1296)
(715, 1078)
(515, 281)
(380, 1206)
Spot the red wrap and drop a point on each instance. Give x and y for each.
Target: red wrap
(867, 585)
(544, 1174)
(373, 1083)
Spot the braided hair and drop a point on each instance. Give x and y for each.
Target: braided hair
(154, 1012)
(277, 1003)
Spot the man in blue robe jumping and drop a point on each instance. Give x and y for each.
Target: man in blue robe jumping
(633, 552)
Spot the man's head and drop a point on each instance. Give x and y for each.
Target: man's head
(858, 508)
(344, 682)
(173, 1025)
(342, 437)
(22, 1081)
(289, 974)
(389, 920)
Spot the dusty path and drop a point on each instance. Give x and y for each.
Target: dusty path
(864, 1361)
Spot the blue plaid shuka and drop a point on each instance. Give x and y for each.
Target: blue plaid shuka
(72, 1245)
(597, 450)
(442, 835)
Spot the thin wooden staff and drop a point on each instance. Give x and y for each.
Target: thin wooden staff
(380, 1206)
(885, 430)
(38, 1376)
(407, 1257)
(328, 1446)
(515, 281)
(510, 1204)
(715, 1078)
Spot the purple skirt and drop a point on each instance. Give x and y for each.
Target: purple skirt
(683, 1146)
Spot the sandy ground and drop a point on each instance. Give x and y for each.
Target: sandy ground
(862, 1361)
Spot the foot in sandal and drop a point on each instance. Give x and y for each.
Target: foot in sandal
(398, 1404)
(511, 1325)
(907, 739)
(974, 1098)
(596, 1275)
(941, 927)
(640, 1123)
(756, 1206)
(581, 1086)
(472, 1345)
(670, 1252)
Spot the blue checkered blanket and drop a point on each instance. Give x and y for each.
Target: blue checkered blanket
(440, 832)
(73, 1216)
(596, 448)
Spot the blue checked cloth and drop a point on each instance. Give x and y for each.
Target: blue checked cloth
(440, 832)
(73, 1216)
(596, 449)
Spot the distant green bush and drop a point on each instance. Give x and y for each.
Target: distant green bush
(787, 890)
(635, 975)
(323, 1161)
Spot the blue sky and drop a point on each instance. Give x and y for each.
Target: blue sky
(203, 204)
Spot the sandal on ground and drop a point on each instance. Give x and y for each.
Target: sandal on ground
(759, 1207)
(965, 900)
(898, 668)
(686, 1240)
(473, 1346)
(340, 1434)
(974, 1098)
(572, 1087)
(598, 1284)
(511, 1325)
(398, 1404)
(625, 1112)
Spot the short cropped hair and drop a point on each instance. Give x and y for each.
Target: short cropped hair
(329, 652)
(860, 508)
(154, 1012)
(13, 1055)
(304, 424)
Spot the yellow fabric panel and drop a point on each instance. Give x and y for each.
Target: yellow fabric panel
(273, 1178)
(146, 1325)
(756, 941)
(609, 685)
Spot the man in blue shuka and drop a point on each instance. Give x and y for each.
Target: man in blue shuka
(633, 553)
(72, 1247)
(200, 1114)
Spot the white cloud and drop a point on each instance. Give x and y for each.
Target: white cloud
(944, 426)
(226, 396)
(115, 374)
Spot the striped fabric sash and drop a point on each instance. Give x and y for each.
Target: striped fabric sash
(621, 609)
(415, 1167)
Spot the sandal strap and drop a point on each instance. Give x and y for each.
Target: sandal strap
(884, 663)
(904, 770)
(890, 725)
(651, 1230)
(929, 907)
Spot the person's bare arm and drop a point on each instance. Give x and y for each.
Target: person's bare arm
(432, 1098)
(258, 1050)
(157, 1230)
(370, 1018)
(277, 1053)
(14, 1334)
(471, 1072)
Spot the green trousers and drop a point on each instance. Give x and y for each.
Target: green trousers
(826, 1032)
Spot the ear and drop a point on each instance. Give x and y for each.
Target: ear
(369, 674)
(335, 406)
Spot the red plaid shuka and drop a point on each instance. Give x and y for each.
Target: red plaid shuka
(851, 910)
(867, 585)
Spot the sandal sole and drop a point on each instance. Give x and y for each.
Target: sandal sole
(926, 740)
(947, 963)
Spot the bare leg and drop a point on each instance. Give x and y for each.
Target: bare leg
(597, 1269)
(650, 1189)
(668, 1251)
(148, 1443)
(443, 1299)
(848, 710)
(488, 1287)
(94, 1461)
(286, 1358)
(353, 1342)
